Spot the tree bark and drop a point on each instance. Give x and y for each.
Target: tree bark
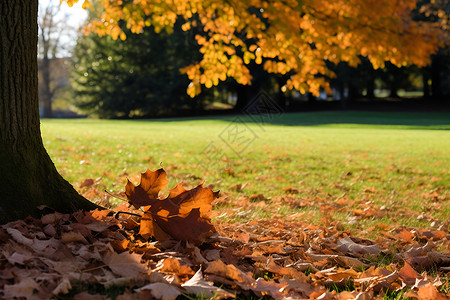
(28, 177)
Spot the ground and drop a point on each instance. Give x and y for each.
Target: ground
(357, 168)
(338, 205)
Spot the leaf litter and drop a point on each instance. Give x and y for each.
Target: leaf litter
(167, 247)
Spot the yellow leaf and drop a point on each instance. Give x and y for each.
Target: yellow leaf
(87, 4)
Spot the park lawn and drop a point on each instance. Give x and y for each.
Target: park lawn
(357, 170)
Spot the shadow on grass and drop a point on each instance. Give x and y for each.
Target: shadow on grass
(394, 120)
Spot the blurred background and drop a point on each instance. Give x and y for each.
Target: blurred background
(87, 75)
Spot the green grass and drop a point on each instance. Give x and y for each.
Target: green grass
(357, 168)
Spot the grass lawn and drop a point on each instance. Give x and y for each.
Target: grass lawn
(359, 169)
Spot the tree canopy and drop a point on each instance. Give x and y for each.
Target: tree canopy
(288, 37)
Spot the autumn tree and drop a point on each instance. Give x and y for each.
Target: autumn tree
(289, 37)
(144, 69)
(29, 178)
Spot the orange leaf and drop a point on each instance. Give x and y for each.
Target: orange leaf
(218, 267)
(192, 228)
(429, 292)
(146, 193)
(184, 215)
(405, 235)
(408, 274)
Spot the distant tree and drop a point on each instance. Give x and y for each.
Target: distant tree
(437, 12)
(52, 29)
(138, 77)
(294, 37)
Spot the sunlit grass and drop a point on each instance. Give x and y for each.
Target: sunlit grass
(355, 168)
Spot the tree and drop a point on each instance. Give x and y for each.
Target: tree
(51, 30)
(291, 36)
(144, 69)
(29, 178)
(436, 12)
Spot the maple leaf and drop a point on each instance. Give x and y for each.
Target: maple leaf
(146, 193)
(183, 215)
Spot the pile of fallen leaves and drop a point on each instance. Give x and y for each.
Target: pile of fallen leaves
(166, 247)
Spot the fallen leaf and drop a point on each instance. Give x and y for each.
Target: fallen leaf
(73, 236)
(197, 285)
(173, 265)
(184, 215)
(346, 261)
(163, 291)
(429, 292)
(87, 182)
(17, 258)
(347, 245)
(405, 236)
(262, 288)
(408, 275)
(125, 264)
(342, 274)
(146, 193)
(63, 287)
(229, 271)
(27, 288)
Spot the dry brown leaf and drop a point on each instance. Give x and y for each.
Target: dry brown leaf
(63, 287)
(183, 215)
(18, 237)
(197, 285)
(120, 246)
(299, 286)
(125, 264)
(408, 275)
(346, 261)
(173, 265)
(73, 236)
(429, 292)
(345, 295)
(342, 274)
(25, 288)
(347, 245)
(262, 288)
(17, 258)
(405, 236)
(271, 266)
(229, 271)
(87, 182)
(163, 291)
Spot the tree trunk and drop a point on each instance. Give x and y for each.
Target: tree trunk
(436, 67)
(370, 84)
(46, 92)
(242, 97)
(27, 174)
(426, 86)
